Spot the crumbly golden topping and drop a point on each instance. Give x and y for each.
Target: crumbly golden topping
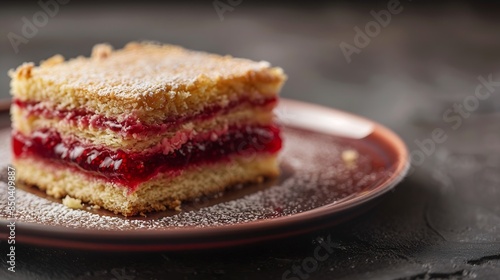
(148, 80)
(142, 69)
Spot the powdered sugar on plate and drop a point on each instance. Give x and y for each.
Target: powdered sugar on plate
(313, 175)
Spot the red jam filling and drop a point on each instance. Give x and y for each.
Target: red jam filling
(131, 125)
(130, 169)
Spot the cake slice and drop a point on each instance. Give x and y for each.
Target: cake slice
(144, 128)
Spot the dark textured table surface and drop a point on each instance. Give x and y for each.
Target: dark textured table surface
(415, 75)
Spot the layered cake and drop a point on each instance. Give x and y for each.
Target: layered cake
(144, 128)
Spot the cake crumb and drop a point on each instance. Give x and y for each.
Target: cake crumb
(72, 203)
(101, 51)
(350, 156)
(54, 60)
(176, 204)
(23, 71)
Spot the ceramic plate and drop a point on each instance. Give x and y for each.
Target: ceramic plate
(334, 166)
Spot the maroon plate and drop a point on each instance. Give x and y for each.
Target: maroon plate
(334, 166)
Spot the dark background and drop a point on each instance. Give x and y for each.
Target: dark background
(442, 222)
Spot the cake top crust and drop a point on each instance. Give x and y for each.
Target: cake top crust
(149, 81)
(143, 69)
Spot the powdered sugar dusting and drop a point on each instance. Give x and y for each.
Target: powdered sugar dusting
(313, 175)
(143, 70)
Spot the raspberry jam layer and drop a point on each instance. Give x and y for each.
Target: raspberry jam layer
(132, 125)
(131, 169)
